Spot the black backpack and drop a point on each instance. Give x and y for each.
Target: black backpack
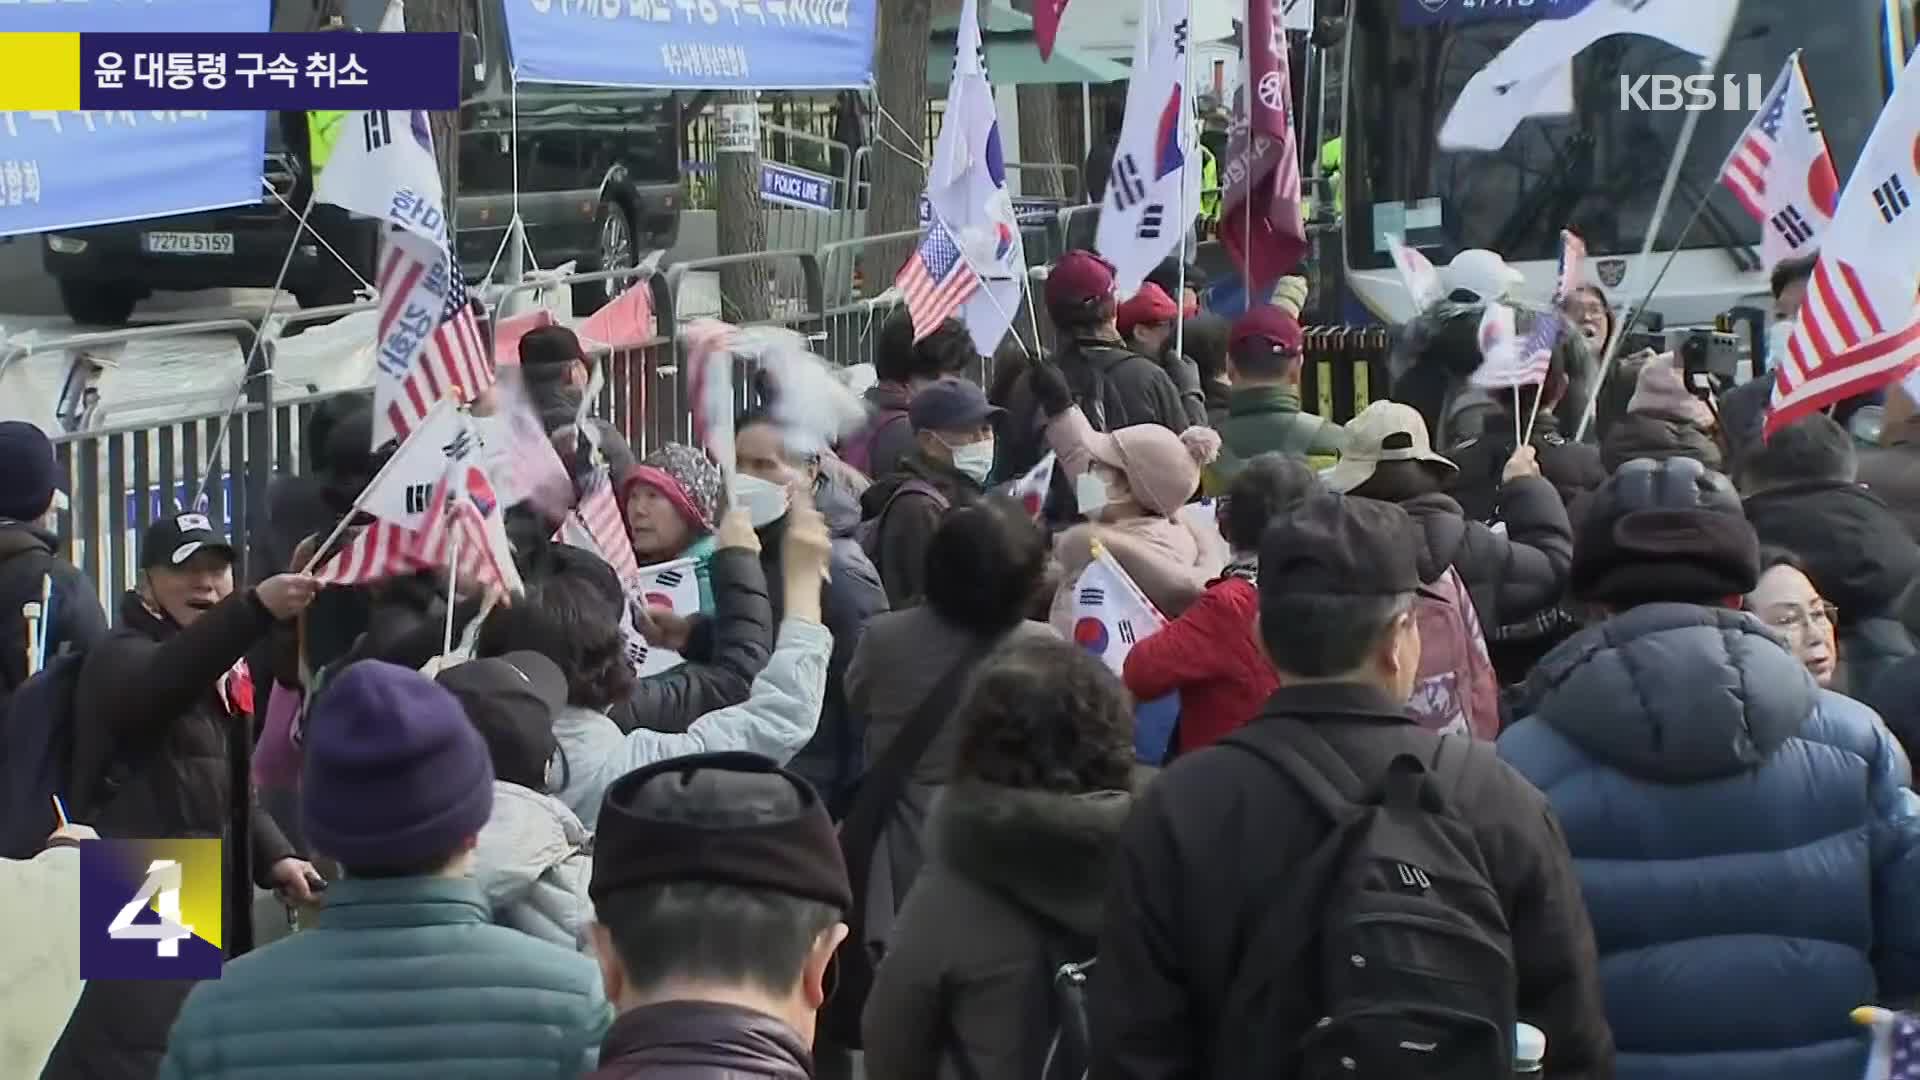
(1393, 920)
(36, 755)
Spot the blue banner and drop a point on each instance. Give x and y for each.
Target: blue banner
(1433, 12)
(694, 44)
(788, 186)
(69, 169)
(295, 72)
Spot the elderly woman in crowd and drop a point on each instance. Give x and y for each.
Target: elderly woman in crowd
(1022, 850)
(673, 500)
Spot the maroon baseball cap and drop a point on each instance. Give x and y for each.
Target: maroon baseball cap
(1279, 328)
(1077, 277)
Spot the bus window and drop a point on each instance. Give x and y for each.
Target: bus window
(1598, 169)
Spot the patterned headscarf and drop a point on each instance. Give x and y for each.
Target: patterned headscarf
(687, 477)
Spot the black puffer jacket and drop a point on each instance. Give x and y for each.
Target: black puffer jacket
(1859, 556)
(726, 651)
(1512, 577)
(149, 708)
(851, 596)
(1574, 469)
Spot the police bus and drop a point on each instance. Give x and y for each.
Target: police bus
(1598, 170)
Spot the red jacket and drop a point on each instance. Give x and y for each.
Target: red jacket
(1211, 656)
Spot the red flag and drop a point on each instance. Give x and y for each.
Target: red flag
(1046, 25)
(1262, 199)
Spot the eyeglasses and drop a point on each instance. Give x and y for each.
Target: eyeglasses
(1815, 621)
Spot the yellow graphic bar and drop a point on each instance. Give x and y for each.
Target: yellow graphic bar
(40, 71)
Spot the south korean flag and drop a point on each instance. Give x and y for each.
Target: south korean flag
(1110, 613)
(674, 586)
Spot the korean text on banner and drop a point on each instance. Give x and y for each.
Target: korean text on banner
(71, 169)
(676, 45)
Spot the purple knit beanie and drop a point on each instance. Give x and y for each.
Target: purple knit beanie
(394, 776)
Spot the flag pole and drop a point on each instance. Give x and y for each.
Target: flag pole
(1246, 116)
(253, 352)
(1533, 413)
(1190, 118)
(453, 582)
(1613, 347)
(1660, 207)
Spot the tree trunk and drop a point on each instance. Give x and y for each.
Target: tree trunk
(742, 226)
(900, 87)
(1039, 105)
(426, 16)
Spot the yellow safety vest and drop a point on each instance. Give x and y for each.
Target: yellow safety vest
(1209, 186)
(323, 130)
(1332, 153)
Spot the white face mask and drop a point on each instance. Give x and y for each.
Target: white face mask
(975, 460)
(1090, 493)
(764, 503)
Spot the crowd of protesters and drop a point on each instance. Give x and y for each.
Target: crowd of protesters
(1484, 733)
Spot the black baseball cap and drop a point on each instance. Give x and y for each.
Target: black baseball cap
(951, 404)
(172, 540)
(1341, 545)
(511, 700)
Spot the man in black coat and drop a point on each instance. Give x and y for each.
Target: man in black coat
(161, 704)
(1113, 385)
(29, 558)
(1221, 834)
(1802, 493)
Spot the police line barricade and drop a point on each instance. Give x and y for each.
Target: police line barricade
(795, 299)
(1345, 368)
(639, 373)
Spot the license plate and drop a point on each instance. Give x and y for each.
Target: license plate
(188, 243)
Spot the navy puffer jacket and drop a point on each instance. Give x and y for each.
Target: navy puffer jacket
(1748, 850)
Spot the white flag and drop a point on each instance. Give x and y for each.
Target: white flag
(676, 587)
(383, 164)
(1527, 77)
(1417, 273)
(402, 492)
(1110, 613)
(967, 190)
(1152, 195)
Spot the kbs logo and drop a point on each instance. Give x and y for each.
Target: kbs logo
(1691, 93)
(150, 909)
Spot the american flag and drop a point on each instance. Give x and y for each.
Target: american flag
(1859, 327)
(935, 281)
(1745, 172)
(430, 339)
(602, 525)
(1550, 325)
(1508, 361)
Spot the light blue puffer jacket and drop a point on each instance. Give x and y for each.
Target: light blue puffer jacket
(1746, 842)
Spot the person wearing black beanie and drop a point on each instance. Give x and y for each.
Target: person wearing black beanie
(1718, 803)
